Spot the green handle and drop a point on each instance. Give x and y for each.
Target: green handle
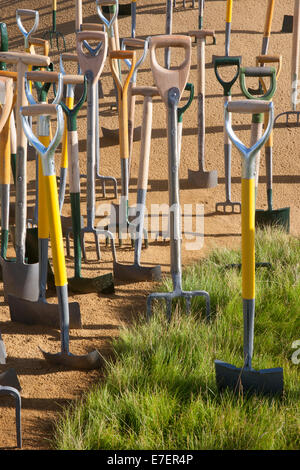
(227, 61)
(258, 72)
(42, 89)
(72, 113)
(180, 111)
(4, 43)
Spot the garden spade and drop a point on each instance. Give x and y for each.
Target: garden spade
(19, 278)
(271, 217)
(171, 84)
(257, 119)
(41, 312)
(265, 381)
(7, 100)
(201, 178)
(136, 272)
(266, 40)
(119, 216)
(78, 283)
(294, 69)
(92, 66)
(13, 392)
(220, 62)
(64, 357)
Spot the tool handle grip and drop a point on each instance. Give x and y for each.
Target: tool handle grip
(10, 74)
(113, 55)
(42, 76)
(177, 76)
(93, 63)
(257, 71)
(28, 13)
(150, 91)
(91, 27)
(67, 57)
(133, 42)
(13, 57)
(201, 34)
(227, 61)
(248, 106)
(122, 55)
(39, 109)
(269, 59)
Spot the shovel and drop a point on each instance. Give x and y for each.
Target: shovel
(134, 134)
(265, 381)
(102, 178)
(7, 99)
(91, 360)
(13, 392)
(21, 279)
(136, 272)
(201, 178)
(78, 283)
(92, 65)
(170, 84)
(41, 312)
(271, 217)
(119, 218)
(227, 61)
(257, 119)
(294, 68)
(266, 39)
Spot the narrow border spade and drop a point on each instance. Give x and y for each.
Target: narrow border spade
(91, 360)
(265, 381)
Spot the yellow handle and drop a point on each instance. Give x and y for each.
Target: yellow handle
(56, 237)
(64, 155)
(43, 221)
(228, 11)
(5, 151)
(248, 238)
(269, 17)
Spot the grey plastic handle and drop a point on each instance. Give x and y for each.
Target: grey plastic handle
(45, 152)
(58, 96)
(26, 33)
(248, 154)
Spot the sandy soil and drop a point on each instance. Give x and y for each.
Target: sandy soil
(45, 389)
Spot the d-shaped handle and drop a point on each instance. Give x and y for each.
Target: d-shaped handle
(90, 62)
(177, 76)
(29, 14)
(227, 61)
(258, 72)
(248, 107)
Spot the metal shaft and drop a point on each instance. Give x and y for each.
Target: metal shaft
(174, 203)
(91, 151)
(169, 15)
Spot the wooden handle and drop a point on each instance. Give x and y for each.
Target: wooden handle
(69, 79)
(121, 55)
(177, 76)
(91, 63)
(134, 43)
(36, 42)
(106, 2)
(122, 88)
(145, 144)
(78, 14)
(201, 34)
(91, 27)
(249, 106)
(38, 109)
(269, 17)
(269, 59)
(67, 57)
(9, 74)
(28, 59)
(150, 91)
(8, 86)
(41, 76)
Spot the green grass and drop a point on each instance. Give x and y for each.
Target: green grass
(160, 392)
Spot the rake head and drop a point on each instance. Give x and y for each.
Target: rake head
(169, 296)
